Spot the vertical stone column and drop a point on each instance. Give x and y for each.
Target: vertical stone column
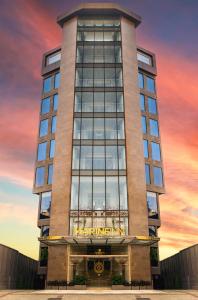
(138, 216)
(59, 219)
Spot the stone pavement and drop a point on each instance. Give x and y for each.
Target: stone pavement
(99, 294)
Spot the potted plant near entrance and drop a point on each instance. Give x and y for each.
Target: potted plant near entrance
(78, 283)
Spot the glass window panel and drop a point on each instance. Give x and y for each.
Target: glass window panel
(123, 193)
(141, 80)
(155, 147)
(79, 77)
(120, 102)
(99, 102)
(110, 77)
(78, 102)
(112, 194)
(98, 128)
(45, 106)
(124, 225)
(113, 222)
(53, 58)
(99, 158)
(157, 174)
(154, 256)
(99, 36)
(150, 84)
(122, 158)
(77, 122)
(154, 127)
(87, 36)
(152, 106)
(79, 54)
(98, 193)
(144, 58)
(45, 205)
(85, 197)
(52, 148)
(53, 124)
(45, 231)
(152, 231)
(121, 134)
(111, 158)
(118, 77)
(118, 56)
(99, 222)
(152, 205)
(76, 157)
(117, 36)
(110, 128)
(50, 174)
(87, 102)
(87, 77)
(142, 102)
(74, 192)
(144, 127)
(145, 146)
(86, 157)
(41, 154)
(88, 54)
(74, 224)
(43, 128)
(87, 129)
(98, 77)
(55, 102)
(109, 54)
(40, 176)
(43, 256)
(110, 102)
(147, 174)
(57, 80)
(47, 84)
(85, 222)
(109, 36)
(99, 54)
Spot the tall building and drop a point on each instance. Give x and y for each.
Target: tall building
(98, 170)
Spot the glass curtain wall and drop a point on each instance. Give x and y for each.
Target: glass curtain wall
(99, 185)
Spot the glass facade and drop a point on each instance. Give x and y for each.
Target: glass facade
(43, 128)
(45, 106)
(42, 149)
(45, 206)
(40, 176)
(152, 205)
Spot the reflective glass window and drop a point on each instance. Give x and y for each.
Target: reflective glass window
(109, 54)
(76, 157)
(110, 77)
(110, 128)
(99, 77)
(157, 174)
(87, 128)
(99, 36)
(41, 154)
(57, 80)
(110, 102)
(53, 58)
(99, 222)
(88, 76)
(152, 107)
(44, 231)
(55, 102)
(144, 58)
(123, 193)
(98, 193)
(120, 123)
(145, 145)
(98, 128)
(87, 102)
(85, 195)
(99, 102)
(45, 205)
(47, 84)
(86, 158)
(111, 158)
(53, 129)
(152, 205)
(99, 157)
(40, 176)
(144, 127)
(52, 148)
(118, 56)
(150, 84)
(141, 80)
(77, 123)
(50, 174)
(99, 54)
(154, 256)
(147, 174)
(119, 77)
(112, 195)
(121, 157)
(74, 192)
(45, 106)
(142, 102)
(154, 130)
(152, 231)
(120, 102)
(155, 147)
(43, 128)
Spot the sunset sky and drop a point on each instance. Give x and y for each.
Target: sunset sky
(28, 29)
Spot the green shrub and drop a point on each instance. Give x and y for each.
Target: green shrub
(79, 280)
(117, 280)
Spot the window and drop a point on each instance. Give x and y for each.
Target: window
(145, 146)
(41, 154)
(99, 102)
(99, 158)
(99, 77)
(98, 193)
(152, 231)
(43, 128)
(53, 129)
(154, 256)
(145, 58)
(44, 231)
(141, 80)
(144, 127)
(40, 176)
(150, 84)
(43, 256)
(155, 151)
(53, 58)
(77, 122)
(74, 192)
(142, 102)
(154, 127)
(45, 205)
(85, 196)
(86, 128)
(147, 174)
(47, 85)
(45, 106)
(120, 100)
(123, 192)
(112, 195)
(152, 107)
(111, 158)
(50, 174)
(86, 158)
(120, 124)
(121, 157)
(157, 174)
(152, 205)
(76, 157)
(52, 148)
(55, 102)
(57, 80)
(110, 128)
(99, 129)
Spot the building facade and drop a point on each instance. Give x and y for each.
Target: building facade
(98, 171)
(180, 271)
(17, 271)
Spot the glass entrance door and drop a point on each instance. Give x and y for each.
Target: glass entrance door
(99, 272)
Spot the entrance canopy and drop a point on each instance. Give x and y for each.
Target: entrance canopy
(91, 240)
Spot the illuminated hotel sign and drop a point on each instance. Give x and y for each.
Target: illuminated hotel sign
(99, 231)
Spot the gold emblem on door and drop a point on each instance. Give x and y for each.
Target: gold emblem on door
(98, 267)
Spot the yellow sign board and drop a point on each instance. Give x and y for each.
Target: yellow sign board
(99, 231)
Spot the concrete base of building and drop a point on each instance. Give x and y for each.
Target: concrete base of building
(101, 294)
